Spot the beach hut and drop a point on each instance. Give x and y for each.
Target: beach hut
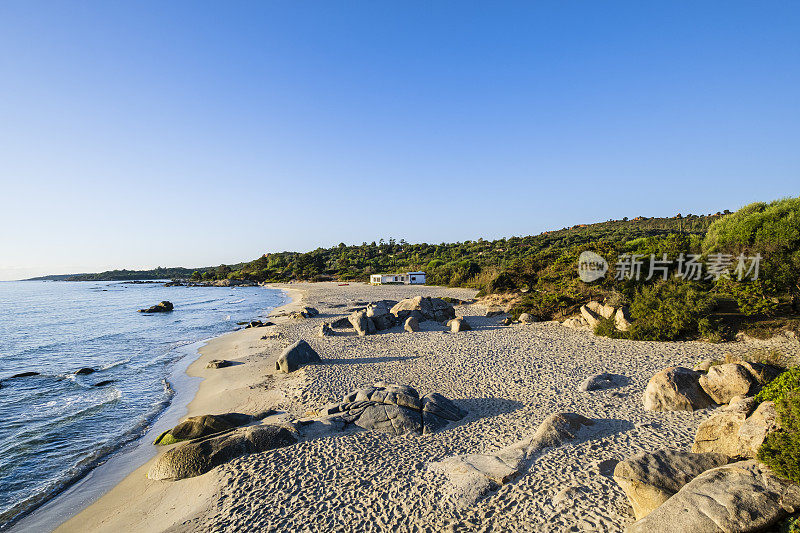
(407, 278)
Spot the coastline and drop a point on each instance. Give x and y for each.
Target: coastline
(508, 378)
(186, 379)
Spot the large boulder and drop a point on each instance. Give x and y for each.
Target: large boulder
(362, 323)
(380, 315)
(201, 426)
(739, 497)
(299, 353)
(675, 389)
(199, 456)
(424, 308)
(605, 311)
(622, 319)
(650, 479)
(738, 429)
(391, 408)
(723, 382)
(162, 307)
(591, 318)
(411, 325)
(472, 476)
(342, 323)
(458, 324)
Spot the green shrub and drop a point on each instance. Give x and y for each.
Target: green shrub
(606, 327)
(668, 310)
(782, 386)
(781, 449)
(791, 524)
(713, 330)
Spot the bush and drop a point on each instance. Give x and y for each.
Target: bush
(606, 327)
(713, 330)
(781, 449)
(668, 310)
(779, 388)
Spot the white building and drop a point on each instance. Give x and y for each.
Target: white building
(409, 278)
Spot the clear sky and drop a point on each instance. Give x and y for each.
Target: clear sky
(139, 134)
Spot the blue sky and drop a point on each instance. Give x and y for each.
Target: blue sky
(138, 134)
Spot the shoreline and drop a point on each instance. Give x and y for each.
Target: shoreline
(213, 394)
(507, 377)
(186, 380)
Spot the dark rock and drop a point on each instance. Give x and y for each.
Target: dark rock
(325, 330)
(25, 374)
(602, 381)
(105, 382)
(362, 323)
(342, 323)
(85, 371)
(218, 363)
(299, 353)
(162, 307)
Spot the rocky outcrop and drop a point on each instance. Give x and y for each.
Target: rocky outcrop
(296, 355)
(390, 408)
(603, 310)
(594, 312)
(591, 318)
(411, 325)
(675, 389)
(342, 323)
(458, 324)
(304, 312)
(578, 323)
(202, 426)
(162, 307)
(362, 323)
(423, 308)
(602, 381)
(739, 497)
(472, 476)
(738, 429)
(199, 456)
(723, 382)
(218, 363)
(325, 330)
(650, 479)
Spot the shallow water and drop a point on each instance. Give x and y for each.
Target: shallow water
(56, 426)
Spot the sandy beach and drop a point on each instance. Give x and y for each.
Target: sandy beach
(508, 378)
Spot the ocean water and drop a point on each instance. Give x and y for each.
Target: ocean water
(55, 427)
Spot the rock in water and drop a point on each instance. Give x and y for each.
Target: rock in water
(411, 324)
(650, 479)
(299, 353)
(675, 389)
(202, 426)
(105, 382)
(741, 497)
(85, 371)
(723, 382)
(162, 307)
(24, 375)
(199, 456)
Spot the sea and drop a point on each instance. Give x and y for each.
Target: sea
(57, 426)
